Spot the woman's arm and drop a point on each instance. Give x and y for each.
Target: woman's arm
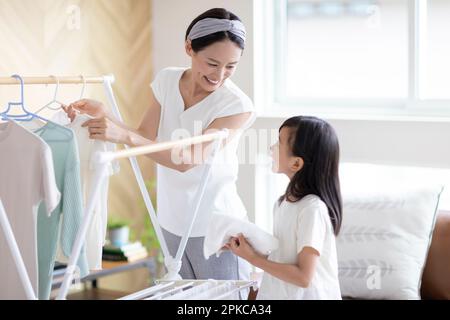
(299, 274)
(107, 128)
(187, 158)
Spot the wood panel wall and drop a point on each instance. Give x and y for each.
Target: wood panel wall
(89, 37)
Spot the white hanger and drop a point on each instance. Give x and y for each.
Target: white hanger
(49, 105)
(84, 86)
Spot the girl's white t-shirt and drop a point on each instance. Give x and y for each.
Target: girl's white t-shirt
(176, 191)
(305, 223)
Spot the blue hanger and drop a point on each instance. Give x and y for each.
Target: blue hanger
(26, 116)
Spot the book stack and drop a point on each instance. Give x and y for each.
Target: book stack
(128, 252)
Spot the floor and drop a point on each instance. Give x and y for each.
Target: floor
(96, 294)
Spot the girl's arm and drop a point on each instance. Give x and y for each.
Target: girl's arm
(107, 128)
(299, 274)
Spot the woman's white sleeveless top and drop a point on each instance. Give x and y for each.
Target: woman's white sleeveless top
(176, 191)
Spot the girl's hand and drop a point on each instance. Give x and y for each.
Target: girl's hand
(93, 108)
(106, 130)
(240, 247)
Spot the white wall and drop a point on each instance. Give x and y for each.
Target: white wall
(408, 143)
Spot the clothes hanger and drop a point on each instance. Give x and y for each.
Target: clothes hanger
(26, 115)
(54, 101)
(82, 92)
(82, 95)
(84, 86)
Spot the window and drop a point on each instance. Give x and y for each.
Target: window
(343, 50)
(372, 55)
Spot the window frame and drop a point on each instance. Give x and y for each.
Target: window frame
(270, 46)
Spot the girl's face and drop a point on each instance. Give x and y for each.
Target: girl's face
(283, 160)
(214, 64)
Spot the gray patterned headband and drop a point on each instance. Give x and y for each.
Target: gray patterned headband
(208, 26)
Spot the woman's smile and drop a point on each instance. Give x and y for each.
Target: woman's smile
(210, 81)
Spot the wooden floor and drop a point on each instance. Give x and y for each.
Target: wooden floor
(96, 294)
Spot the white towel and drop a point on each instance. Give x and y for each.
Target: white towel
(222, 227)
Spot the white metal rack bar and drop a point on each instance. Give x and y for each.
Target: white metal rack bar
(183, 289)
(51, 80)
(136, 170)
(147, 292)
(171, 291)
(173, 265)
(234, 286)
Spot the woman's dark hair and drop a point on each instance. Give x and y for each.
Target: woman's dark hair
(316, 142)
(218, 13)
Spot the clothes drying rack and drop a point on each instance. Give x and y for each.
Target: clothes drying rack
(101, 160)
(172, 264)
(192, 290)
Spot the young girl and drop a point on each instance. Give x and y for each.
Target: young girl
(306, 218)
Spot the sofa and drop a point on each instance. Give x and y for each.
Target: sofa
(436, 275)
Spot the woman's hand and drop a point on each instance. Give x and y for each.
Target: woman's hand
(106, 130)
(93, 108)
(240, 247)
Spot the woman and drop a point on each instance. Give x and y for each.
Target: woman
(192, 101)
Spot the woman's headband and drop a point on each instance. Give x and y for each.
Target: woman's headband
(208, 26)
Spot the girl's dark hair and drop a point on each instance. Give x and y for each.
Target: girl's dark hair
(316, 142)
(218, 13)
